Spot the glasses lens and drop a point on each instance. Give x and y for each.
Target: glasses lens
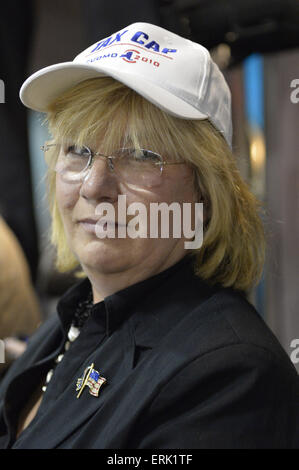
(140, 167)
(72, 162)
(135, 166)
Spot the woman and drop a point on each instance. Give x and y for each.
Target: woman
(157, 347)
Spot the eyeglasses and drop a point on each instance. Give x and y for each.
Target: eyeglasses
(139, 167)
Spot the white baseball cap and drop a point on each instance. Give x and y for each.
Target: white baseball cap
(174, 73)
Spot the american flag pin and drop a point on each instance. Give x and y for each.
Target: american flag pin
(92, 379)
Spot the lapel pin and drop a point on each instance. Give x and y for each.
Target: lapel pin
(92, 379)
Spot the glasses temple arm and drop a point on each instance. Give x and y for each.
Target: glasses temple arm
(171, 163)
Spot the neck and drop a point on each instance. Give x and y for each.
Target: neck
(108, 283)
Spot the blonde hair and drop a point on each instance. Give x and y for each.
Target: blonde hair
(105, 111)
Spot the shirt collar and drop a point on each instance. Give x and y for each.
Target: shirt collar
(154, 303)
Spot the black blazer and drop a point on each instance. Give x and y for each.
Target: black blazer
(188, 366)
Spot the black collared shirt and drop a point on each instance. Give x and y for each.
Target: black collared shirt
(187, 365)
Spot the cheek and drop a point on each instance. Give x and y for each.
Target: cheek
(179, 186)
(67, 195)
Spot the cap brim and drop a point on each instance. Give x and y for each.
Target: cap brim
(44, 86)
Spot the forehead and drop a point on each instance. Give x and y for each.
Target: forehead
(108, 136)
(114, 118)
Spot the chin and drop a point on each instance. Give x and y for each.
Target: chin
(104, 257)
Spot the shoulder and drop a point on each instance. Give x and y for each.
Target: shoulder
(227, 319)
(224, 344)
(232, 384)
(236, 396)
(226, 382)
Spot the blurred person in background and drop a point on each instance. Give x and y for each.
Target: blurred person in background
(157, 347)
(19, 307)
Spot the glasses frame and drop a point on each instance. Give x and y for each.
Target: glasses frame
(110, 158)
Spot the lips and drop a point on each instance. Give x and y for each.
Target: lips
(88, 221)
(98, 221)
(90, 225)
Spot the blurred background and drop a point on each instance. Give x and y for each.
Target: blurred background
(256, 45)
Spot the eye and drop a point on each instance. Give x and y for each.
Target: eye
(143, 155)
(77, 151)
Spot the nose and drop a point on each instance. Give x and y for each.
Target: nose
(100, 183)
